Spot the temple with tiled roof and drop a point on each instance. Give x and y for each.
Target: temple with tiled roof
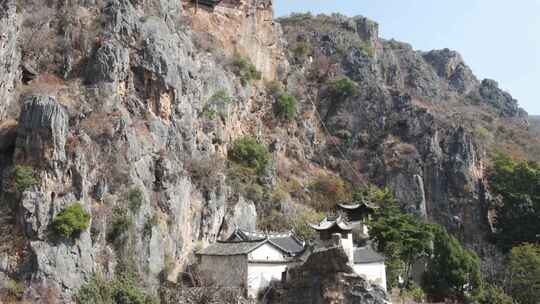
(251, 260)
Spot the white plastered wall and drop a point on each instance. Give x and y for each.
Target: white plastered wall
(260, 275)
(373, 272)
(266, 263)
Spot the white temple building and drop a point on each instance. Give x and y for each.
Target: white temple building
(251, 260)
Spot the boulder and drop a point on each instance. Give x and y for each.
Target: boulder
(327, 277)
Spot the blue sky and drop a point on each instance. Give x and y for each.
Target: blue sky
(499, 39)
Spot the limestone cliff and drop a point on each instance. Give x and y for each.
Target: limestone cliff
(130, 106)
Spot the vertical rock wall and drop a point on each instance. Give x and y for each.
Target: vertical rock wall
(9, 55)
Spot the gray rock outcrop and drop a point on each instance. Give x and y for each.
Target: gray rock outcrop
(42, 132)
(326, 277)
(9, 55)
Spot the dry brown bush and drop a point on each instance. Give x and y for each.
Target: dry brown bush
(205, 170)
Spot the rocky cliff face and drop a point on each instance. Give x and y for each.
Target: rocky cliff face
(116, 116)
(127, 116)
(9, 55)
(408, 127)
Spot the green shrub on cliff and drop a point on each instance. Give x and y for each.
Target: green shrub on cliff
(286, 107)
(24, 178)
(248, 152)
(71, 221)
(342, 87)
(119, 290)
(122, 221)
(14, 291)
(301, 50)
(221, 96)
(245, 69)
(328, 190)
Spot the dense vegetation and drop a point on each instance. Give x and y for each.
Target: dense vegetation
(453, 272)
(518, 185)
(524, 273)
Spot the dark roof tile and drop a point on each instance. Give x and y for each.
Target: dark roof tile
(367, 254)
(230, 248)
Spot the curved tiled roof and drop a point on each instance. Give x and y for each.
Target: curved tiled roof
(330, 223)
(356, 205)
(366, 254)
(230, 248)
(289, 244)
(244, 242)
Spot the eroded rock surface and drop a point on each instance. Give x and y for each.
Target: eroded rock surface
(326, 277)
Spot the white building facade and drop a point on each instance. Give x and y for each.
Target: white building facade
(264, 258)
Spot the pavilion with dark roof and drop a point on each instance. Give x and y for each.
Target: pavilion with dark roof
(364, 259)
(358, 211)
